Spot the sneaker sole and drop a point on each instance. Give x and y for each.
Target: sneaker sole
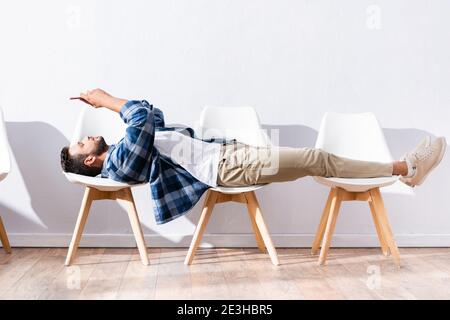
(441, 155)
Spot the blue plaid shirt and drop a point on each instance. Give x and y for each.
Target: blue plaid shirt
(134, 160)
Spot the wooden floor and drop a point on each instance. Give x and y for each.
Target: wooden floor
(31, 273)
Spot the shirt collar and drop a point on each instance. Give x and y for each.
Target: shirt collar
(104, 172)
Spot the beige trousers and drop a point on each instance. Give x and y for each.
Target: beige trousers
(243, 165)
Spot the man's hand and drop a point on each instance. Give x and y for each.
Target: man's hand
(99, 98)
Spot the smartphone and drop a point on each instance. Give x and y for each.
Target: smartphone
(79, 98)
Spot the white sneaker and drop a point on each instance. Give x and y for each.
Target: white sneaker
(425, 142)
(425, 159)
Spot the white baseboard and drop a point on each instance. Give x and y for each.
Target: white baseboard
(224, 240)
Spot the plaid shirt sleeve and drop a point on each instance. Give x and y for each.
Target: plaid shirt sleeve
(134, 159)
(131, 158)
(159, 118)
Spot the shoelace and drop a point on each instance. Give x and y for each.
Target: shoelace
(423, 153)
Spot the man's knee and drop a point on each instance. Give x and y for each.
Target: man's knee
(320, 163)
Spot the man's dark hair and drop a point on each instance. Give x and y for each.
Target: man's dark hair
(75, 164)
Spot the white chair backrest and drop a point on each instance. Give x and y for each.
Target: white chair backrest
(240, 123)
(99, 122)
(353, 135)
(5, 161)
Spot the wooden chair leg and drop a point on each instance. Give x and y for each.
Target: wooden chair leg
(377, 199)
(376, 221)
(255, 212)
(126, 197)
(323, 223)
(257, 233)
(208, 206)
(4, 237)
(331, 223)
(81, 222)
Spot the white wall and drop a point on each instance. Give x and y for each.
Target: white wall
(292, 60)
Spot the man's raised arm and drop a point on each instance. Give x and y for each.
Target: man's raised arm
(99, 98)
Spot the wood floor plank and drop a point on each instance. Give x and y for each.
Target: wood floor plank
(4, 257)
(207, 276)
(16, 265)
(105, 280)
(385, 287)
(347, 282)
(231, 273)
(408, 279)
(70, 281)
(274, 280)
(301, 268)
(173, 280)
(434, 281)
(360, 262)
(242, 282)
(439, 257)
(139, 281)
(38, 278)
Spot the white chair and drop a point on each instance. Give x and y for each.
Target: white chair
(108, 124)
(356, 136)
(5, 167)
(242, 124)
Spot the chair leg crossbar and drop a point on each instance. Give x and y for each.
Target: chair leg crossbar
(263, 239)
(123, 196)
(264, 242)
(329, 217)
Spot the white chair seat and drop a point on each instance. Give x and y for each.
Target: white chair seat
(236, 190)
(357, 184)
(102, 184)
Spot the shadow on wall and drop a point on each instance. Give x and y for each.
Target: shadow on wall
(35, 148)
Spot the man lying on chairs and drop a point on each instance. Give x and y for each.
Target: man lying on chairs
(150, 152)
